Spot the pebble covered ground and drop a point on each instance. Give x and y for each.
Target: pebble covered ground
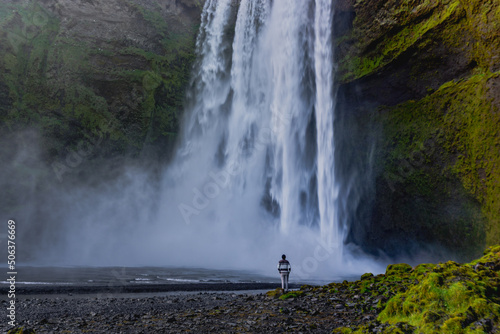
(198, 313)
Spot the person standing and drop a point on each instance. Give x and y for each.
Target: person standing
(284, 269)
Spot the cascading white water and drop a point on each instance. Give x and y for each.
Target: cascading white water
(324, 70)
(290, 106)
(256, 159)
(211, 87)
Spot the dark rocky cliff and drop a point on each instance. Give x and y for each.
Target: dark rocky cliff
(422, 78)
(113, 69)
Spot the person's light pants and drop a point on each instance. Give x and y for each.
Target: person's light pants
(284, 281)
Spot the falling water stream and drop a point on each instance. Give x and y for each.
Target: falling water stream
(257, 150)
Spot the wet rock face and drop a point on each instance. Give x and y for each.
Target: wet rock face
(391, 65)
(415, 79)
(117, 21)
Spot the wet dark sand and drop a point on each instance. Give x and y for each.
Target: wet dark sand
(27, 290)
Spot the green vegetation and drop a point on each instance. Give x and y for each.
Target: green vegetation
(437, 164)
(450, 298)
(276, 293)
(279, 293)
(291, 294)
(457, 126)
(468, 27)
(400, 38)
(65, 85)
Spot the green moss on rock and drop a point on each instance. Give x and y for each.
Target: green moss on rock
(427, 73)
(276, 293)
(394, 269)
(384, 31)
(443, 298)
(66, 74)
(409, 22)
(452, 297)
(458, 126)
(291, 294)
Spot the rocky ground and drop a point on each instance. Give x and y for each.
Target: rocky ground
(203, 312)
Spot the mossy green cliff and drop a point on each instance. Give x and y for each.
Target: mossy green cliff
(426, 75)
(80, 70)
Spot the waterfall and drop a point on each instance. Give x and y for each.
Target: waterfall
(255, 166)
(254, 173)
(324, 70)
(290, 106)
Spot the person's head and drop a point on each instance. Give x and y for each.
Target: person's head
(283, 256)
